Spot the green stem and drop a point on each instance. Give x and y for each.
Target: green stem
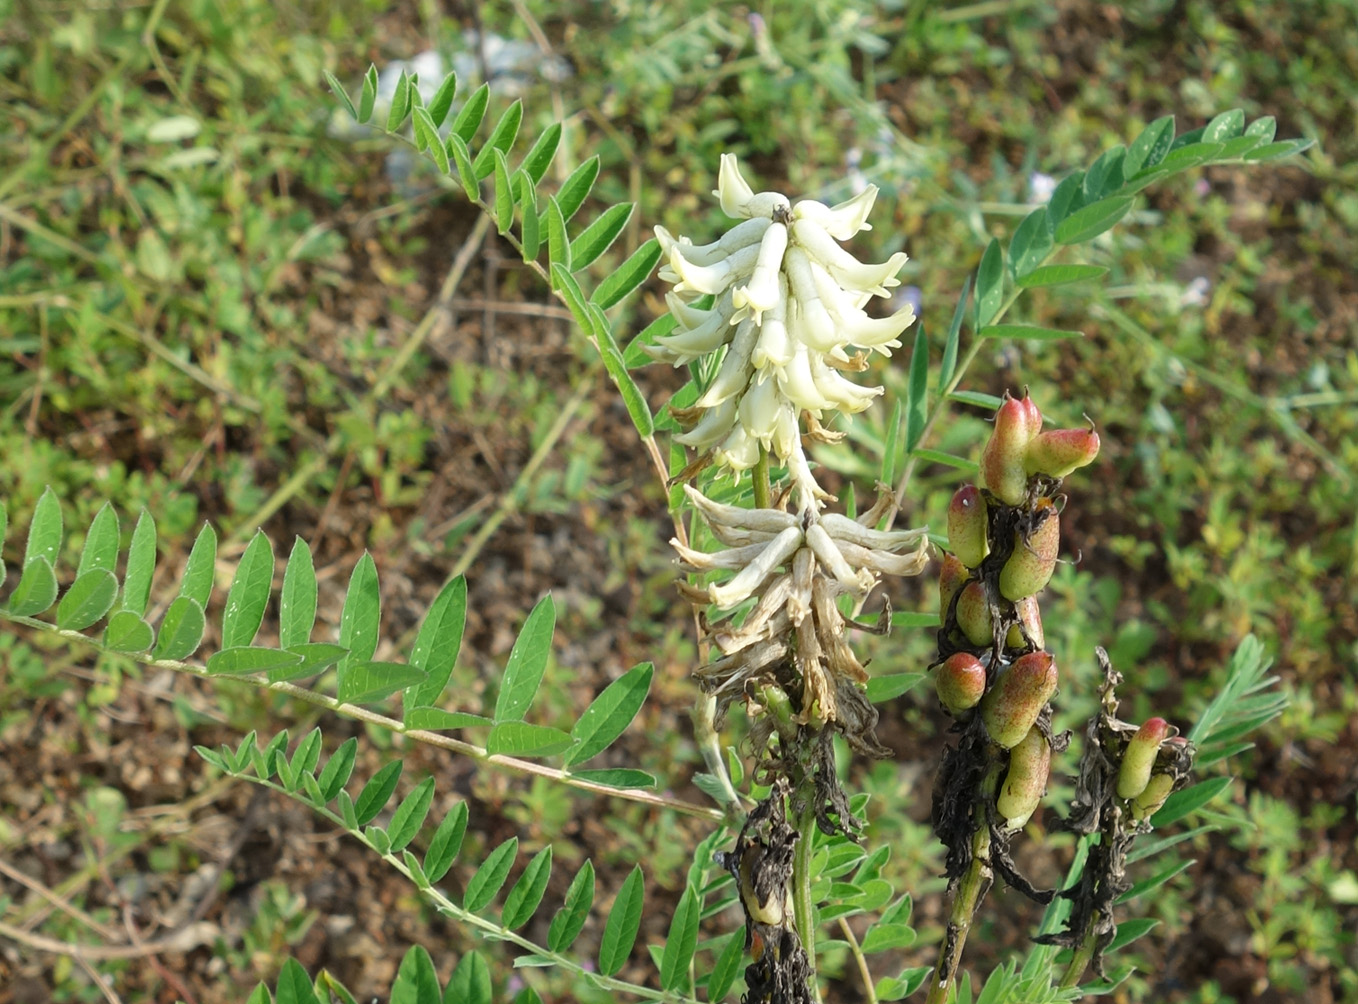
(803, 909)
(1079, 961)
(763, 491)
(704, 717)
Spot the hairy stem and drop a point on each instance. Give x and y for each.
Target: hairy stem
(803, 909)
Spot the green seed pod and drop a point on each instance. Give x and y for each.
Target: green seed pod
(950, 579)
(1061, 451)
(1026, 781)
(1030, 620)
(960, 682)
(1149, 801)
(1138, 758)
(1031, 564)
(973, 614)
(967, 526)
(1031, 416)
(1002, 468)
(1017, 697)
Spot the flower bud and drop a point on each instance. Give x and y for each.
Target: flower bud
(1032, 562)
(1017, 697)
(1002, 460)
(1157, 789)
(960, 682)
(1061, 451)
(973, 614)
(950, 579)
(1026, 781)
(1138, 758)
(967, 526)
(1029, 622)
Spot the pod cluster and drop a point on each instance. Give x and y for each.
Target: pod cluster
(786, 305)
(1019, 458)
(1151, 767)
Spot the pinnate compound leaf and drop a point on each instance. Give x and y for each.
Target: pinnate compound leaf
(249, 659)
(335, 774)
(483, 886)
(501, 138)
(624, 920)
(470, 982)
(446, 843)
(1031, 332)
(576, 188)
(409, 815)
(89, 598)
(373, 681)
(181, 632)
(628, 276)
(141, 564)
(522, 739)
(44, 533)
(610, 713)
(294, 986)
(37, 588)
(526, 895)
(617, 777)
(361, 614)
(337, 89)
(437, 644)
(527, 662)
(539, 156)
(434, 719)
(376, 792)
(416, 982)
(989, 284)
(682, 941)
(1061, 275)
(249, 593)
(127, 632)
(297, 603)
(100, 550)
(599, 236)
(632, 397)
(569, 921)
(468, 120)
(1087, 223)
(315, 657)
(442, 102)
(200, 569)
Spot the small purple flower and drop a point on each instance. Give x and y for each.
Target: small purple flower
(1202, 187)
(912, 295)
(757, 25)
(1040, 187)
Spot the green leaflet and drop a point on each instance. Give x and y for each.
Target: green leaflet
(442, 101)
(917, 392)
(569, 921)
(483, 886)
(521, 739)
(37, 588)
(527, 662)
(610, 713)
(681, 943)
(372, 681)
(596, 238)
(624, 920)
(181, 632)
(294, 986)
(526, 894)
(989, 284)
(249, 593)
(628, 276)
(361, 614)
(376, 792)
(417, 982)
(501, 138)
(141, 565)
(297, 603)
(409, 815)
(89, 598)
(44, 533)
(200, 568)
(539, 156)
(100, 550)
(577, 187)
(446, 843)
(437, 644)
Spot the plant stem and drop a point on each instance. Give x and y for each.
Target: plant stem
(704, 716)
(1079, 961)
(803, 910)
(869, 990)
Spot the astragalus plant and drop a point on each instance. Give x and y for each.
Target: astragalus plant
(776, 322)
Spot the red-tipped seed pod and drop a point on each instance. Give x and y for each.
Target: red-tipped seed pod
(1031, 564)
(1029, 620)
(960, 682)
(1138, 759)
(1032, 417)
(1061, 451)
(1002, 469)
(950, 579)
(967, 526)
(1026, 781)
(1017, 697)
(1157, 789)
(973, 615)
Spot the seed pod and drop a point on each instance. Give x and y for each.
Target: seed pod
(1031, 564)
(1026, 781)
(1138, 759)
(1002, 459)
(1031, 415)
(967, 526)
(950, 579)
(1149, 801)
(960, 682)
(973, 614)
(1017, 697)
(1030, 621)
(1061, 451)
(762, 911)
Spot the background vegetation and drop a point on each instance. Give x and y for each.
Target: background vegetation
(218, 303)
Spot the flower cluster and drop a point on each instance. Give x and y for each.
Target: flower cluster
(787, 304)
